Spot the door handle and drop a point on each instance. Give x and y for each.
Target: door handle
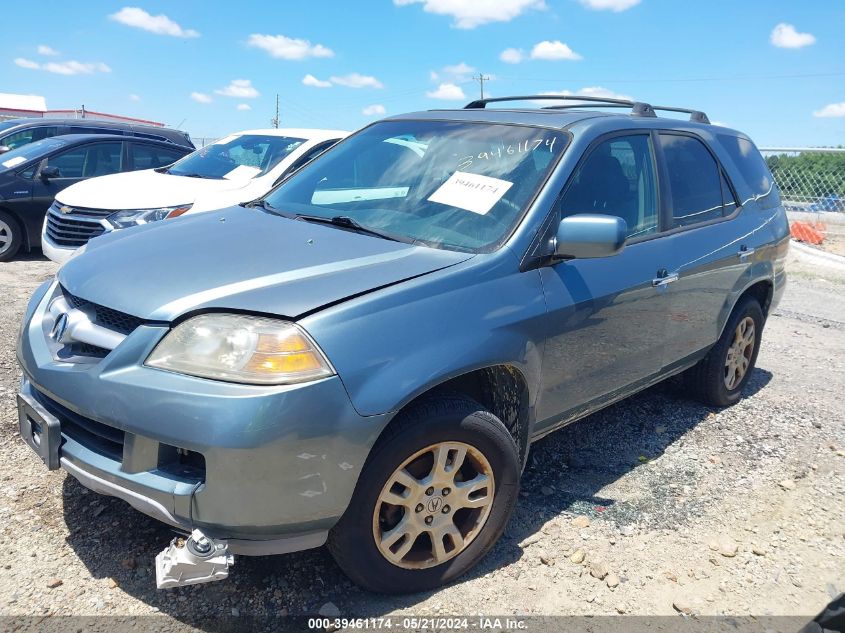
(745, 253)
(664, 280)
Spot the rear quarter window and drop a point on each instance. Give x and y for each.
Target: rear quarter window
(752, 167)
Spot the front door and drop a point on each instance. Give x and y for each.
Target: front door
(74, 164)
(606, 316)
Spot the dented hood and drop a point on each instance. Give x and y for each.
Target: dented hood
(240, 259)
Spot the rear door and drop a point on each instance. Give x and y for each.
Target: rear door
(606, 316)
(708, 243)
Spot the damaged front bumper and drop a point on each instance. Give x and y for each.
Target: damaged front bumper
(270, 469)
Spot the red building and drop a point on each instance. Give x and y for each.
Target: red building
(14, 106)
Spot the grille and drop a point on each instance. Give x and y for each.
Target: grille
(95, 436)
(108, 318)
(74, 229)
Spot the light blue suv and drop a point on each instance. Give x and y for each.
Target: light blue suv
(364, 356)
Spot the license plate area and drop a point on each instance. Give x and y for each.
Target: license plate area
(40, 429)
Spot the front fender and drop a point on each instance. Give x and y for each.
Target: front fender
(392, 345)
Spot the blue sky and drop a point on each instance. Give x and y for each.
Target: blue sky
(767, 67)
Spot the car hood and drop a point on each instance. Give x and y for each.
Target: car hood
(146, 189)
(240, 259)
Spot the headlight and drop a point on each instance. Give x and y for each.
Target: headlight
(135, 217)
(239, 348)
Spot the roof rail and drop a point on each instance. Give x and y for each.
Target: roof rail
(638, 108)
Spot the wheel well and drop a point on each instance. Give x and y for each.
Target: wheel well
(762, 291)
(501, 389)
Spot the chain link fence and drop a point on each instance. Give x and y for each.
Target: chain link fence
(812, 187)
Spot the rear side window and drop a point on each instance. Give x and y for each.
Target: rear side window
(750, 163)
(617, 178)
(695, 181)
(78, 129)
(30, 135)
(150, 157)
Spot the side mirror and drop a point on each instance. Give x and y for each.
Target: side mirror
(589, 235)
(4, 149)
(49, 172)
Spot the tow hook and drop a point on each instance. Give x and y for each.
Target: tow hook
(195, 560)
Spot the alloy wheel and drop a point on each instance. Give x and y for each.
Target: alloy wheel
(740, 353)
(433, 505)
(5, 237)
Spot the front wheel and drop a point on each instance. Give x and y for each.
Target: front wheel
(433, 498)
(719, 377)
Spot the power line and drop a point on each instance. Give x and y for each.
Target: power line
(559, 80)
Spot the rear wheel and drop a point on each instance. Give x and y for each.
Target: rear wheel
(11, 236)
(434, 496)
(719, 377)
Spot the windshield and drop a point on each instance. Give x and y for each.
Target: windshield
(236, 157)
(453, 185)
(27, 152)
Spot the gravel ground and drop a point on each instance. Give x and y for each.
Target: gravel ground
(653, 506)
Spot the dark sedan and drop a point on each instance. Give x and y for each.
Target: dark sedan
(32, 175)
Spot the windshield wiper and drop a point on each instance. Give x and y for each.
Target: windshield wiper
(263, 204)
(192, 175)
(344, 221)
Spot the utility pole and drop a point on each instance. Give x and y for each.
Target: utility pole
(275, 119)
(481, 78)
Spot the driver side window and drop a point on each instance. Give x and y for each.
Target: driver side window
(617, 178)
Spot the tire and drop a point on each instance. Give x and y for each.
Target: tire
(11, 236)
(446, 422)
(708, 380)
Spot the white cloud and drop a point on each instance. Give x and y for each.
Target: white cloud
(374, 110)
(282, 47)
(831, 110)
(785, 36)
(355, 80)
(311, 80)
(201, 97)
(45, 50)
(69, 67)
(244, 106)
(610, 5)
(589, 91)
(455, 73)
(512, 55)
(159, 24)
(448, 92)
(134, 97)
(240, 88)
(468, 14)
(553, 51)
(27, 63)
(459, 69)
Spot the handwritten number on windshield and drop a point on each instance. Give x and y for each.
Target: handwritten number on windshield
(531, 145)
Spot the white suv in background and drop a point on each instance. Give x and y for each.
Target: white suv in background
(238, 168)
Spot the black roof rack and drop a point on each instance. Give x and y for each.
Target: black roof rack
(638, 108)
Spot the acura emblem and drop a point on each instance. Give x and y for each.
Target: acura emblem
(434, 504)
(65, 209)
(59, 327)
